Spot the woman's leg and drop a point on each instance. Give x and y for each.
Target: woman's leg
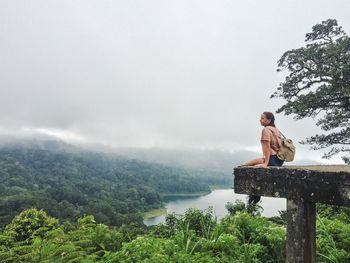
(254, 162)
(254, 199)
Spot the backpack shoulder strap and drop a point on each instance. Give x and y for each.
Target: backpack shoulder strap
(283, 135)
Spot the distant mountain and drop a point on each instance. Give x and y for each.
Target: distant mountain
(68, 182)
(210, 160)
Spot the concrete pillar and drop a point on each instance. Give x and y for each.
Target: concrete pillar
(301, 232)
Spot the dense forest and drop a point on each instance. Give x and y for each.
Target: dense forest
(241, 237)
(69, 182)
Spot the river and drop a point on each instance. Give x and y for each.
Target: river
(217, 199)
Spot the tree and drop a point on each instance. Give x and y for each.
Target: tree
(318, 85)
(30, 223)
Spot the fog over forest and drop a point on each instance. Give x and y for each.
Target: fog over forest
(169, 75)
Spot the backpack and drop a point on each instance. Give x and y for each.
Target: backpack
(286, 150)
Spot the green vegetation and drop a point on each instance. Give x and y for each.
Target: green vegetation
(70, 184)
(93, 206)
(154, 213)
(196, 236)
(318, 85)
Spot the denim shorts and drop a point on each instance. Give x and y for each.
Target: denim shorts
(275, 161)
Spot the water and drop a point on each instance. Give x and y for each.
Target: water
(217, 199)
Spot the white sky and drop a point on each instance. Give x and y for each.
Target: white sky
(152, 73)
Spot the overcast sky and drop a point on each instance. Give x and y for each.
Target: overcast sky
(152, 73)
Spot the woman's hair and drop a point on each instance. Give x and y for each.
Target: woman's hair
(270, 117)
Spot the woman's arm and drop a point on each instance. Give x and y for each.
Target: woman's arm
(266, 149)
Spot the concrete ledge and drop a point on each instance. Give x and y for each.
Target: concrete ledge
(321, 183)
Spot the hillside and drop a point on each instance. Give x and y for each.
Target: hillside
(69, 182)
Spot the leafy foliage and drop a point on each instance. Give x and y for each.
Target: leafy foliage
(239, 206)
(30, 223)
(318, 85)
(195, 236)
(339, 213)
(333, 241)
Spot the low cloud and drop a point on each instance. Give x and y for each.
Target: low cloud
(151, 74)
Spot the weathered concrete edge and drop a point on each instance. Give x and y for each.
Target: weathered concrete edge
(297, 184)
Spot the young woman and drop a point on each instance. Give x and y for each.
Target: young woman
(270, 142)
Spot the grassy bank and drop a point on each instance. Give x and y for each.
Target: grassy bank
(218, 187)
(195, 194)
(162, 195)
(154, 213)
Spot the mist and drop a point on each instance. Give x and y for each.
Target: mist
(152, 74)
